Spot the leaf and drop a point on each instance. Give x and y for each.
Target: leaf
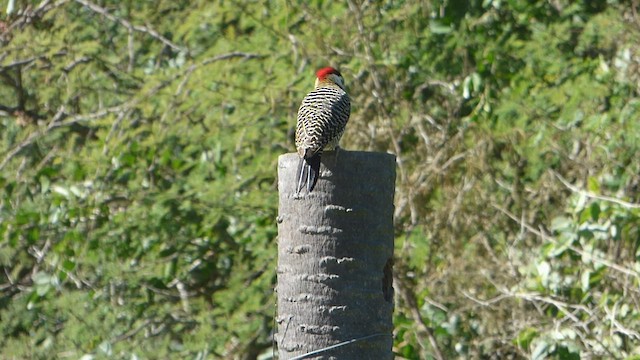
(525, 337)
(42, 283)
(561, 223)
(61, 190)
(544, 270)
(585, 281)
(593, 185)
(437, 27)
(541, 350)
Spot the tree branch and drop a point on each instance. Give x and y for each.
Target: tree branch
(589, 194)
(27, 17)
(56, 123)
(143, 29)
(409, 298)
(544, 236)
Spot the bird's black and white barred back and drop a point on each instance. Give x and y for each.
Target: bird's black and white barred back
(322, 118)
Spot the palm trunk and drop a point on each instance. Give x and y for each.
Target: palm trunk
(335, 251)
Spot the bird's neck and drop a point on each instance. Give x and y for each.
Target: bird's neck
(326, 83)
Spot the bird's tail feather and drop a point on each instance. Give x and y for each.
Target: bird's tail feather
(308, 172)
(302, 176)
(314, 171)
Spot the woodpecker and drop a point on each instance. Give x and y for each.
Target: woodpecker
(322, 117)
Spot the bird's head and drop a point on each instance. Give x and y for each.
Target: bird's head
(329, 74)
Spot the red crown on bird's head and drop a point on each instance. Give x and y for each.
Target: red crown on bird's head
(326, 71)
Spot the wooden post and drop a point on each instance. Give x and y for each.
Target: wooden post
(335, 257)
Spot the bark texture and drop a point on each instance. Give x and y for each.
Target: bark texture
(335, 251)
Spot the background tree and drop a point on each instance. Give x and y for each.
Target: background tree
(138, 147)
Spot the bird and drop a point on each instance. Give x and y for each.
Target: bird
(321, 121)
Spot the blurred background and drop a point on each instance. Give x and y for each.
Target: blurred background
(138, 150)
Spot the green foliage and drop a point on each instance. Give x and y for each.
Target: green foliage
(138, 145)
